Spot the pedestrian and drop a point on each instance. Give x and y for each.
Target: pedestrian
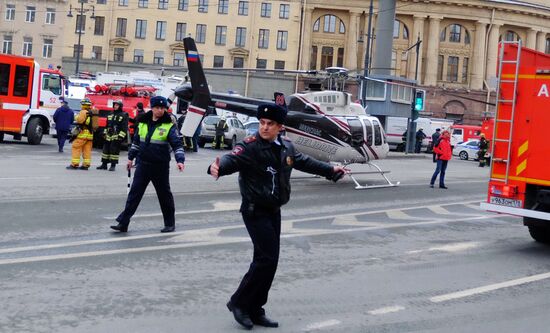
(152, 142)
(483, 147)
(138, 112)
(114, 134)
(420, 135)
(435, 142)
(63, 117)
(221, 128)
(83, 136)
(444, 154)
(265, 162)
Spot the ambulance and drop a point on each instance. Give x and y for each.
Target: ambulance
(29, 96)
(519, 181)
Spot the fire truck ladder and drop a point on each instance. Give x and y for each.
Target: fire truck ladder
(500, 102)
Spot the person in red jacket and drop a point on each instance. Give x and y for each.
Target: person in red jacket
(443, 154)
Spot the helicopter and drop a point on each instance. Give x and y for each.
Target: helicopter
(325, 125)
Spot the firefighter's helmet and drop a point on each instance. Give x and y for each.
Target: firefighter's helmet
(119, 102)
(86, 103)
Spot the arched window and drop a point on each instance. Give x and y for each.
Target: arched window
(329, 23)
(400, 30)
(510, 36)
(455, 33)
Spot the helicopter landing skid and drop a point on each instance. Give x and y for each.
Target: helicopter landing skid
(378, 171)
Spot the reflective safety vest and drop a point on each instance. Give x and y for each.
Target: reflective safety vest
(83, 120)
(160, 134)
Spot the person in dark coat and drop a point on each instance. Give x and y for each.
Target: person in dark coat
(483, 147)
(435, 142)
(63, 117)
(420, 135)
(264, 162)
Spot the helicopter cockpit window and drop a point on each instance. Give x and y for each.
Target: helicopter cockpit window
(368, 127)
(296, 104)
(377, 133)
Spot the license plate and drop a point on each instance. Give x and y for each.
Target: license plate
(506, 202)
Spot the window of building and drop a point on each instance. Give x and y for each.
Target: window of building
(400, 30)
(123, 3)
(218, 61)
(401, 94)
(118, 54)
(238, 62)
(547, 46)
(143, 3)
(261, 63)
(316, 25)
(327, 56)
(47, 49)
(203, 6)
(279, 64)
(80, 24)
(265, 10)
(179, 59)
(161, 30)
(27, 46)
(121, 24)
(282, 40)
(30, 14)
(440, 62)
(138, 56)
(452, 69)
(183, 5)
(97, 52)
(330, 24)
(263, 39)
(10, 12)
(163, 4)
(223, 6)
(284, 11)
(465, 63)
(101, 2)
(340, 59)
(141, 29)
(181, 28)
(50, 15)
(455, 33)
(240, 38)
(221, 35)
(511, 36)
(200, 35)
(78, 51)
(7, 44)
(313, 59)
(99, 25)
(243, 8)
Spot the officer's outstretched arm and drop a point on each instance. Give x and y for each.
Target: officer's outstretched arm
(176, 144)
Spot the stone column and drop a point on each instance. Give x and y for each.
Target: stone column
(492, 51)
(418, 30)
(541, 41)
(478, 58)
(306, 41)
(531, 42)
(351, 44)
(432, 52)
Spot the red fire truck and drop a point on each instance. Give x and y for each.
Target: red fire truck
(519, 180)
(29, 96)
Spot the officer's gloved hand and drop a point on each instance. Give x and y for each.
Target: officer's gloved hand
(337, 176)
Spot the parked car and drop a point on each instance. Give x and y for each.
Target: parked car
(467, 150)
(251, 127)
(235, 131)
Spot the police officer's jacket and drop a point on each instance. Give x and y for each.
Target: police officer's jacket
(153, 140)
(264, 177)
(117, 126)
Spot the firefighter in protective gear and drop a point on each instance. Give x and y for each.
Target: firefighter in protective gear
(483, 147)
(114, 134)
(221, 128)
(83, 137)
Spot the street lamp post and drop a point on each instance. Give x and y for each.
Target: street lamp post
(367, 59)
(412, 124)
(81, 26)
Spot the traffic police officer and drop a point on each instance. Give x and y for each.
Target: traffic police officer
(265, 162)
(156, 134)
(114, 133)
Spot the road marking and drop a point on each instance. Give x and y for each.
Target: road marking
(400, 215)
(217, 241)
(439, 210)
(456, 247)
(321, 325)
(23, 178)
(386, 310)
(219, 206)
(490, 287)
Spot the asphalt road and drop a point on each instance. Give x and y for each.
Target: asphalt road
(401, 259)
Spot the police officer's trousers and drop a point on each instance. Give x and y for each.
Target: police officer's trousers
(264, 228)
(158, 174)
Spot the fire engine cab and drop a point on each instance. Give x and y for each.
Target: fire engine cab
(29, 96)
(519, 180)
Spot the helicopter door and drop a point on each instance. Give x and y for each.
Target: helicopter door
(378, 139)
(356, 130)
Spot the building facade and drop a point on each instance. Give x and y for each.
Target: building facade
(33, 28)
(457, 60)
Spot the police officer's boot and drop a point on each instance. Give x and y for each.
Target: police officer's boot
(103, 166)
(112, 168)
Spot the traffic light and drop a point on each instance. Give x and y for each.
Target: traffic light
(419, 100)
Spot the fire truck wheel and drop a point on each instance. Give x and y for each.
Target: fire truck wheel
(34, 131)
(540, 234)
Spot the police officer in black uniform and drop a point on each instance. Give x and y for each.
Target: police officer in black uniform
(114, 134)
(156, 134)
(265, 162)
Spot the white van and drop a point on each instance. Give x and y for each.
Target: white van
(396, 126)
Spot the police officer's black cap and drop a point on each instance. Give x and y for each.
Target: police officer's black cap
(272, 111)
